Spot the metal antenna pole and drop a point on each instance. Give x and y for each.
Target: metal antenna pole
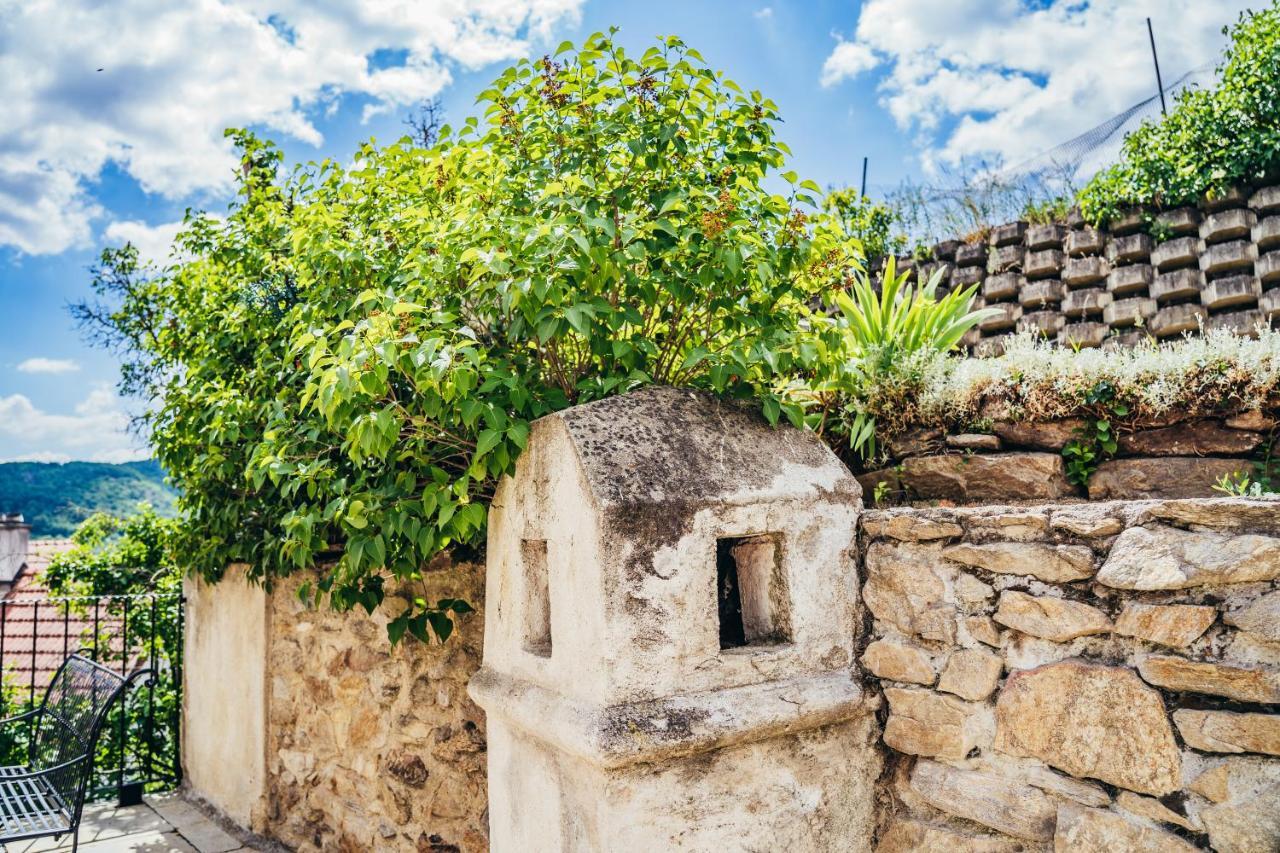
(1156, 59)
(863, 192)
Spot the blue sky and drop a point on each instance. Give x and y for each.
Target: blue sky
(93, 157)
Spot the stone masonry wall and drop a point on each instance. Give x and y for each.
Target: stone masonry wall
(1219, 264)
(372, 747)
(1078, 677)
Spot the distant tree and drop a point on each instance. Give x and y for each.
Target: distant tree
(426, 122)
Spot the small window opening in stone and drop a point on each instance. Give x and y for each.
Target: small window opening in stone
(751, 592)
(537, 597)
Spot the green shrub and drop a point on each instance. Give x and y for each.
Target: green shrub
(875, 225)
(1212, 138)
(346, 365)
(874, 354)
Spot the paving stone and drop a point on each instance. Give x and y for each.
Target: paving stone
(1242, 683)
(1128, 249)
(1129, 312)
(1009, 526)
(906, 587)
(1048, 435)
(1083, 830)
(1173, 320)
(1005, 258)
(1091, 721)
(1089, 522)
(1049, 236)
(1174, 625)
(1085, 241)
(1044, 263)
(946, 250)
(1266, 234)
(1045, 323)
(1090, 302)
(1050, 563)
(1232, 224)
(899, 662)
(967, 276)
(1221, 200)
(1260, 618)
(1212, 784)
(1009, 313)
(1083, 335)
(983, 629)
(1244, 323)
(1267, 267)
(971, 254)
(1231, 292)
(1002, 286)
(922, 722)
(1163, 557)
(1180, 220)
(1175, 253)
(1037, 294)
(1082, 272)
(977, 442)
(990, 477)
(1229, 731)
(1266, 200)
(1135, 278)
(908, 526)
(1050, 618)
(1177, 285)
(1233, 256)
(992, 800)
(971, 674)
(1008, 234)
(1197, 438)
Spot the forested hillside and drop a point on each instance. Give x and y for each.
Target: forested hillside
(55, 497)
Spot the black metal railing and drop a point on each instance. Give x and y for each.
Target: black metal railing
(139, 748)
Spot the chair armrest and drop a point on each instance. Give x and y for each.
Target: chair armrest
(23, 716)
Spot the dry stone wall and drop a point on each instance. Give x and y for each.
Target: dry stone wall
(1216, 264)
(372, 747)
(1078, 677)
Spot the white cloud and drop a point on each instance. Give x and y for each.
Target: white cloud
(95, 430)
(39, 364)
(149, 85)
(763, 14)
(847, 61)
(1004, 77)
(153, 242)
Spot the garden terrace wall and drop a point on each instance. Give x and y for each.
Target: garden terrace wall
(1022, 461)
(1078, 677)
(1216, 264)
(365, 746)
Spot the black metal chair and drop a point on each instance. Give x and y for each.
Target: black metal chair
(45, 796)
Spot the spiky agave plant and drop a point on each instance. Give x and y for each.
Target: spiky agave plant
(883, 332)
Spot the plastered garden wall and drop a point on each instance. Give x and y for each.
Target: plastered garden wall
(1078, 677)
(1216, 264)
(307, 727)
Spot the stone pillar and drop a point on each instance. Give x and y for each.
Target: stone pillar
(668, 654)
(224, 695)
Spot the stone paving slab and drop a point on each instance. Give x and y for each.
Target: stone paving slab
(163, 824)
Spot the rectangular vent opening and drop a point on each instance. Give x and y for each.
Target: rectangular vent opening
(752, 601)
(537, 597)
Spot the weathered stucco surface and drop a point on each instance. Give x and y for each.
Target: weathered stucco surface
(617, 720)
(224, 694)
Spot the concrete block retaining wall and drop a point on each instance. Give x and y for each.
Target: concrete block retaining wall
(1218, 264)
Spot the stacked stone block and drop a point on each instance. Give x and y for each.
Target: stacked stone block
(1078, 678)
(1215, 265)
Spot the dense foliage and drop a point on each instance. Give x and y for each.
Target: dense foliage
(875, 225)
(873, 354)
(55, 497)
(1212, 138)
(346, 364)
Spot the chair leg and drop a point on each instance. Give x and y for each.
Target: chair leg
(75, 839)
